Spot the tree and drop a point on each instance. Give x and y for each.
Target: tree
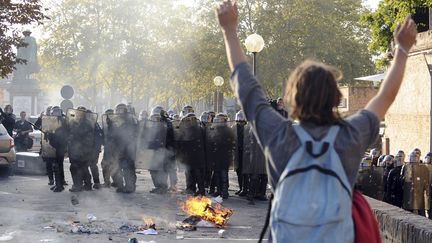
(145, 51)
(13, 15)
(383, 23)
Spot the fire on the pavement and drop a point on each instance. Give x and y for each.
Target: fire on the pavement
(202, 207)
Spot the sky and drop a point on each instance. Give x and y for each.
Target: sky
(372, 3)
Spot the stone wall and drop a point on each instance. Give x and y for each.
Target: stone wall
(400, 226)
(408, 119)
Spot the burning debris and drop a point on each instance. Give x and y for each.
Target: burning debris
(201, 208)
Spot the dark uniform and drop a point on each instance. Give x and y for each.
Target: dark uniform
(95, 159)
(23, 142)
(190, 152)
(394, 191)
(58, 140)
(8, 121)
(239, 159)
(81, 148)
(254, 167)
(125, 148)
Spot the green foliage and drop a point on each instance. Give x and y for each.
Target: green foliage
(13, 15)
(142, 50)
(384, 21)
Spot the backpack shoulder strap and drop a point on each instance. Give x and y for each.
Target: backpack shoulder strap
(331, 134)
(304, 136)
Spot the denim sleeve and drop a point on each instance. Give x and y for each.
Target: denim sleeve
(264, 120)
(367, 125)
(272, 131)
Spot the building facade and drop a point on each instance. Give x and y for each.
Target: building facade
(408, 121)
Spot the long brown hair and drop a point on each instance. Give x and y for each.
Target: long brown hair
(312, 93)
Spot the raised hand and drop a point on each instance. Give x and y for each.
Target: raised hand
(405, 35)
(227, 14)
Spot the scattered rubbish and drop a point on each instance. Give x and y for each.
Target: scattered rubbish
(49, 227)
(74, 200)
(91, 217)
(148, 232)
(74, 229)
(133, 240)
(129, 228)
(59, 229)
(109, 238)
(217, 199)
(7, 236)
(205, 224)
(221, 233)
(193, 220)
(185, 227)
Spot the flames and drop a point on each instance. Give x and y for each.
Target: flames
(202, 207)
(148, 223)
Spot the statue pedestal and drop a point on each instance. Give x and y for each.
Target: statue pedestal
(23, 96)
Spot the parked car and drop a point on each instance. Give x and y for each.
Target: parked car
(7, 151)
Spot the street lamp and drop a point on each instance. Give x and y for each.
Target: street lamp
(254, 44)
(218, 82)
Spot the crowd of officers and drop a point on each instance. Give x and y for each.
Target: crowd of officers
(161, 142)
(19, 129)
(405, 184)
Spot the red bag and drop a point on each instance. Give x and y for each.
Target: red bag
(365, 223)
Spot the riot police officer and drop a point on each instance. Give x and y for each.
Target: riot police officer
(57, 138)
(394, 191)
(220, 149)
(108, 155)
(240, 123)
(189, 137)
(125, 138)
(93, 163)
(80, 146)
(416, 186)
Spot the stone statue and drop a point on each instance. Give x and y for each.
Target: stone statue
(28, 53)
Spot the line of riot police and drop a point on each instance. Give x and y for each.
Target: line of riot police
(205, 149)
(403, 184)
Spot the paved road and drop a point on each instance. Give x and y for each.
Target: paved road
(27, 206)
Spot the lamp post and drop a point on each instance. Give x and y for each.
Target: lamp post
(218, 82)
(254, 44)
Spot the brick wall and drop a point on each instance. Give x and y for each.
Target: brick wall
(356, 98)
(408, 120)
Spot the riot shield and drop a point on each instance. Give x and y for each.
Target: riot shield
(189, 139)
(120, 135)
(370, 181)
(151, 144)
(416, 187)
(49, 126)
(221, 141)
(81, 124)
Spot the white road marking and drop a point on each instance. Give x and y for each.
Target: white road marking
(24, 178)
(223, 239)
(239, 227)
